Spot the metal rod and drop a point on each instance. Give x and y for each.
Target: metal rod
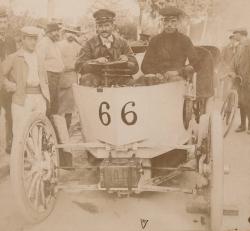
(81, 145)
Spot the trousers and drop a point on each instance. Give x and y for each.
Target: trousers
(53, 80)
(21, 113)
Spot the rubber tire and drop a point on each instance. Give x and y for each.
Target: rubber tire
(16, 173)
(217, 172)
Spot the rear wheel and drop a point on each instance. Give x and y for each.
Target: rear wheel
(34, 161)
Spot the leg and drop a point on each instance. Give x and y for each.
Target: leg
(248, 118)
(53, 79)
(7, 98)
(19, 116)
(242, 126)
(68, 118)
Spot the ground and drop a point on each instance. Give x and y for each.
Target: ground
(100, 211)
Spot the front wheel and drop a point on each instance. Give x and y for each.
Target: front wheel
(33, 170)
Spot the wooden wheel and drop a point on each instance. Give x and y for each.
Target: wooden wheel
(228, 110)
(33, 171)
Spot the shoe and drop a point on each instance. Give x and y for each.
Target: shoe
(240, 129)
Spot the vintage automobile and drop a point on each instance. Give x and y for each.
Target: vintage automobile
(141, 137)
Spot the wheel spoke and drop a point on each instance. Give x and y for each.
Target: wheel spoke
(37, 190)
(35, 138)
(32, 185)
(40, 139)
(29, 155)
(43, 194)
(30, 146)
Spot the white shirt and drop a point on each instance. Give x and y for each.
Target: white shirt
(69, 51)
(33, 75)
(50, 54)
(107, 41)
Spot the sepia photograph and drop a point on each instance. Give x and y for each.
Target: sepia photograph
(124, 115)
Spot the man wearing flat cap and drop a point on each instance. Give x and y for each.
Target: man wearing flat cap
(7, 47)
(27, 80)
(70, 49)
(104, 47)
(48, 51)
(168, 51)
(241, 67)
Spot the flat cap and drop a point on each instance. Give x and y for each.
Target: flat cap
(104, 15)
(242, 31)
(52, 27)
(31, 31)
(3, 11)
(171, 11)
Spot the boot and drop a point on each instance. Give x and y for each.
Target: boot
(241, 128)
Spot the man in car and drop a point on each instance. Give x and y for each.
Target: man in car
(168, 51)
(103, 48)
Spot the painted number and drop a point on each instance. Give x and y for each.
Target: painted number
(104, 116)
(128, 117)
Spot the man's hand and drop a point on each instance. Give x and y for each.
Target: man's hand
(9, 86)
(124, 58)
(101, 60)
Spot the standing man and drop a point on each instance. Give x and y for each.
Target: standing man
(241, 67)
(7, 46)
(49, 52)
(228, 52)
(70, 49)
(168, 51)
(26, 78)
(102, 48)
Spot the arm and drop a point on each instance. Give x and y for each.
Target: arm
(41, 50)
(191, 54)
(132, 62)
(6, 68)
(85, 55)
(150, 61)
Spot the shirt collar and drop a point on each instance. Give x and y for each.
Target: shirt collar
(98, 41)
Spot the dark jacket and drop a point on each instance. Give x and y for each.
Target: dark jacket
(241, 66)
(94, 49)
(7, 47)
(205, 73)
(16, 70)
(167, 52)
